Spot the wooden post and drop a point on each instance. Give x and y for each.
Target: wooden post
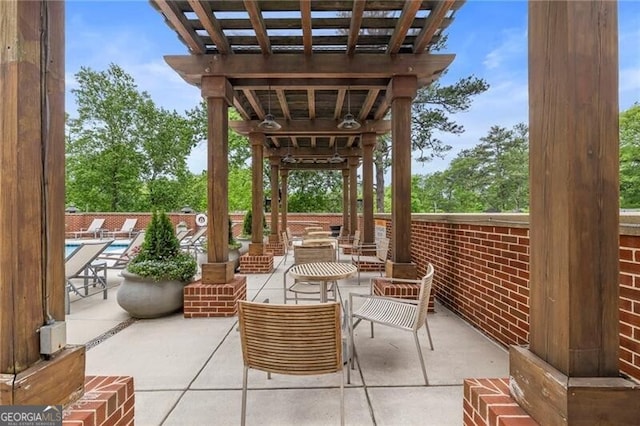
(284, 176)
(570, 375)
(32, 284)
(274, 236)
(256, 248)
(401, 92)
(353, 193)
(219, 95)
(345, 203)
(368, 144)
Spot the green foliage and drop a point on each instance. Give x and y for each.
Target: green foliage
(630, 157)
(123, 152)
(247, 225)
(315, 191)
(160, 257)
(492, 176)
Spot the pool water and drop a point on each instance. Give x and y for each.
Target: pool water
(114, 247)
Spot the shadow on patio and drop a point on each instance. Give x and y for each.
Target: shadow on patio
(189, 371)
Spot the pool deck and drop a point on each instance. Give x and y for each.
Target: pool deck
(189, 371)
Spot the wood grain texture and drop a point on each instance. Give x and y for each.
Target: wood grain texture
(402, 90)
(275, 172)
(22, 209)
(257, 177)
(218, 188)
(368, 228)
(353, 194)
(284, 187)
(345, 204)
(574, 185)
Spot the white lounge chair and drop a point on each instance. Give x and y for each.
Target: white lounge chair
(95, 228)
(120, 260)
(128, 229)
(79, 264)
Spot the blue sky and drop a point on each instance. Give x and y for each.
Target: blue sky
(488, 37)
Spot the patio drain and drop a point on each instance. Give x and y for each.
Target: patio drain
(104, 336)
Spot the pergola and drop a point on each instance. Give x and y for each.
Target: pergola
(243, 51)
(306, 65)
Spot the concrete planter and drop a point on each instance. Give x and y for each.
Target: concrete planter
(145, 298)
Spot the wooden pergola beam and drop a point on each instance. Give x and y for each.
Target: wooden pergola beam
(211, 25)
(314, 166)
(353, 82)
(354, 26)
(311, 127)
(425, 67)
(255, 16)
(180, 23)
(409, 11)
(431, 25)
(305, 19)
(314, 152)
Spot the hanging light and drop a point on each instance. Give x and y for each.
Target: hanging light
(288, 159)
(349, 122)
(336, 158)
(269, 121)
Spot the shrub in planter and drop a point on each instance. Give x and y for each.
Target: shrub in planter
(160, 257)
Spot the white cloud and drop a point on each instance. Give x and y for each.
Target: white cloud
(513, 45)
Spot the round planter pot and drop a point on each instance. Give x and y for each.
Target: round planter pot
(144, 298)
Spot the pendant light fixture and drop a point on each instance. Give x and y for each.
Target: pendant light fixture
(288, 159)
(349, 122)
(269, 122)
(336, 158)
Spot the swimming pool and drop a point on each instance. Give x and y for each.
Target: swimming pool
(115, 247)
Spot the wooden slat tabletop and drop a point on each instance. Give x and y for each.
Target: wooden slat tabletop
(325, 271)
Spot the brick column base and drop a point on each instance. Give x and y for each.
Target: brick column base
(214, 300)
(365, 266)
(107, 400)
(276, 249)
(487, 403)
(382, 287)
(256, 264)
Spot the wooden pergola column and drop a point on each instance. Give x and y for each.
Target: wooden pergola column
(32, 283)
(353, 194)
(284, 187)
(256, 248)
(570, 373)
(345, 203)
(219, 95)
(368, 228)
(400, 92)
(274, 236)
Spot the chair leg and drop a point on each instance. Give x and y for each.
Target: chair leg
(342, 397)
(426, 323)
(371, 322)
(424, 370)
(244, 396)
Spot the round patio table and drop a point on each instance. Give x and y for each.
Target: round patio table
(323, 272)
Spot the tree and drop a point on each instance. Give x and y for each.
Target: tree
(123, 152)
(315, 191)
(431, 113)
(630, 157)
(492, 176)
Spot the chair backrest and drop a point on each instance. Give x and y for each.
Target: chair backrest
(382, 248)
(129, 225)
(95, 225)
(197, 235)
(310, 254)
(135, 243)
(83, 255)
(181, 235)
(291, 339)
(423, 297)
(285, 241)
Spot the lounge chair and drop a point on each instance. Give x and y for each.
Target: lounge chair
(120, 260)
(95, 228)
(194, 242)
(80, 264)
(128, 229)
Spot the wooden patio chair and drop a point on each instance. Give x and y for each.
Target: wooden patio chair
(403, 314)
(347, 243)
(291, 339)
(306, 290)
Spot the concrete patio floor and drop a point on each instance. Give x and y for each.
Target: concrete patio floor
(189, 371)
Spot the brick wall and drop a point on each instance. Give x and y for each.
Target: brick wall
(107, 401)
(482, 274)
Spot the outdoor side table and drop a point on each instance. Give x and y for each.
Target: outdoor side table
(323, 272)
